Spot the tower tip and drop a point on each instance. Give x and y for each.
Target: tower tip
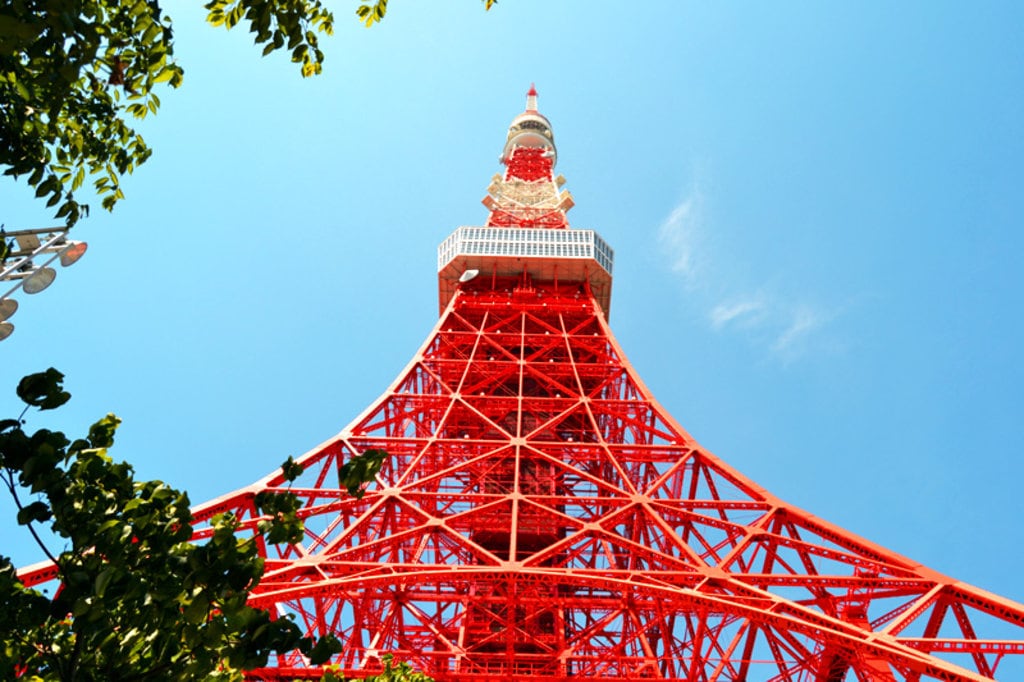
(531, 98)
(529, 129)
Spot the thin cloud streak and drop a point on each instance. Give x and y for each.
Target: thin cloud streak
(803, 323)
(679, 236)
(743, 313)
(780, 325)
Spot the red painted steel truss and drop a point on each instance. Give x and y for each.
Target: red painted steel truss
(541, 516)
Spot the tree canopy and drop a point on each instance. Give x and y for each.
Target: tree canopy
(137, 598)
(73, 74)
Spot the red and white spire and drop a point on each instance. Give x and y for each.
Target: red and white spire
(528, 194)
(531, 99)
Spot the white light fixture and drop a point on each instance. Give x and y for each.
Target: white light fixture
(8, 306)
(39, 280)
(72, 252)
(468, 275)
(19, 268)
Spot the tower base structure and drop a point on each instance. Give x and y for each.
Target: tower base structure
(540, 515)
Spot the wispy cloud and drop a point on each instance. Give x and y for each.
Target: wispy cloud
(741, 313)
(784, 326)
(679, 236)
(803, 322)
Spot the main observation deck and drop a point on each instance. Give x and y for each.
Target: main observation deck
(563, 256)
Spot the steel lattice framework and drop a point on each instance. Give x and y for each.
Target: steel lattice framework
(540, 515)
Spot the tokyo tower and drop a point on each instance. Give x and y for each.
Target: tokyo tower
(540, 515)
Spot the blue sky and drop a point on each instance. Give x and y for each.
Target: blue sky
(816, 210)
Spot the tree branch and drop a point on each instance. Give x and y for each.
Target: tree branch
(13, 489)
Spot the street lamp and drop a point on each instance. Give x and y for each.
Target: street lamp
(8, 307)
(18, 265)
(38, 280)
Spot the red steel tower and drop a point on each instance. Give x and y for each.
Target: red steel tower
(541, 515)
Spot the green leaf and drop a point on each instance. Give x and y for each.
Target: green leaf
(101, 434)
(36, 511)
(103, 580)
(165, 74)
(151, 33)
(137, 9)
(291, 469)
(197, 611)
(11, 29)
(360, 469)
(331, 675)
(43, 389)
(8, 424)
(326, 646)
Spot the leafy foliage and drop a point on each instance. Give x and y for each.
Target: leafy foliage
(43, 390)
(72, 73)
(360, 469)
(372, 14)
(403, 672)
(69, 73)
(288, 24)
(137, 598)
